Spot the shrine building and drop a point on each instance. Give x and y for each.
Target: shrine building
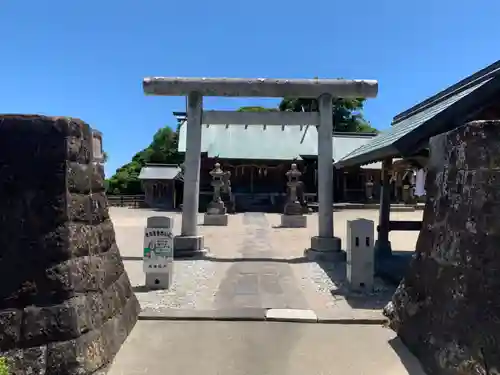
(258, 158)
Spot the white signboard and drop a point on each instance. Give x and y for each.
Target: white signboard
(158, 250)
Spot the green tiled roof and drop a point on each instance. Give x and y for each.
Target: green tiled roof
(268, 142)
(385, 144)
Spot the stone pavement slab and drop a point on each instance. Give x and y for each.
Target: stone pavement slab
(254, 264)
(262, 348)
(291, 315)
(245, 314)
(262, 283)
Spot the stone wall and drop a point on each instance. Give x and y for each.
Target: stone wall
(66, 303)
(447, 308)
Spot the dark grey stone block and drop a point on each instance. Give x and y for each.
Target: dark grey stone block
(112, 266)
(67, 304)
(99, 208)
(447, 308)
(10, 328)
(97, 180)
(27, 361)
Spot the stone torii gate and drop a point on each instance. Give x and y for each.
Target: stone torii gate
(323, 245)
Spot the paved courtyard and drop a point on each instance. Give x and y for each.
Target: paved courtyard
(252, 263)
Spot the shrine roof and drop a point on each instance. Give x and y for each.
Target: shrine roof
(159, 172)
(412, 129)
(269, 142)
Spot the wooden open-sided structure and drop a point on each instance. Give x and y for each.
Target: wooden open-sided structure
(476, 97)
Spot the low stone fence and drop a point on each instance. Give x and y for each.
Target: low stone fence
(134, 201)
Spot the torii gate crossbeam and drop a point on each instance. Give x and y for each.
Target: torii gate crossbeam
(190, 242)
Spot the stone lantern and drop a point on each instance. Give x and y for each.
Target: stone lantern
(369, 189)
(216, 211)
(293, 216)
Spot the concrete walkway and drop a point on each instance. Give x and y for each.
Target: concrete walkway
(262, 348)
(260, 283)
(251, 264)
(217, 316)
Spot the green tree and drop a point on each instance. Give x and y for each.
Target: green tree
(347, 113)
(256, 109)
(4, 367)
(163, 149)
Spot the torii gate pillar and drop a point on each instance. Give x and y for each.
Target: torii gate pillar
(325, 245)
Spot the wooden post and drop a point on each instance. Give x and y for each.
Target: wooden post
(383, 245)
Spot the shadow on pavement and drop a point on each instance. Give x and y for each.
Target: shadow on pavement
(375, 300)
(141, 289)
(409, 361)
(393, 268)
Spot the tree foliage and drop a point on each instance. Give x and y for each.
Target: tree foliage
(163, 149)
(256, 109)
(4, 367)
(347, 113)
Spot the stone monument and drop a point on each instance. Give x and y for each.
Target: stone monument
(216, 211)
(293, 216)
(447, 307)
(66, 303)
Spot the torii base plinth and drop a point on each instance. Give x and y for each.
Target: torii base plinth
(326, 249)
(189, 246)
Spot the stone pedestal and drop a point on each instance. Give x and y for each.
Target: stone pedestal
(188, 246)
(447, 308)
(215, 219)
(293, 216)
(216, 214)
(325, 249)
(293, 221)
(66, 303)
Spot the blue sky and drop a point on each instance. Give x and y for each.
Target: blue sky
(87, 59)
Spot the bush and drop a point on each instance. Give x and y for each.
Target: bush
(4, 368)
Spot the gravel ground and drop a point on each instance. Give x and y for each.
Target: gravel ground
(197, 282)
(191, 289)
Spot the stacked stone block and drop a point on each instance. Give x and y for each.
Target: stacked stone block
(447, 308)
(66, 303)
